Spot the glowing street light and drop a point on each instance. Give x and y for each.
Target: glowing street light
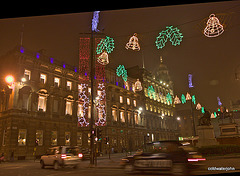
(9, 79)
(178, 118)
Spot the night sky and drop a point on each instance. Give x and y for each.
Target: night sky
(211, 61)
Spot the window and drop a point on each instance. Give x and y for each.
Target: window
(43, 78)
(79, 138)
(128, 101)
(22, 137)
(56, 82)
(39, 137)
(42, 101)
(68, 107)
(134, 103)
(55, 106)
(114, 114)
(25, 101)
(121, 99)
(129, 117)
(4, 137)
(69, 85)
(27, 74)
(67, 138)
(136, 118)
(54, 138)
(122, 118)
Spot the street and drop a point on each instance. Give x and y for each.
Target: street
(104, 167)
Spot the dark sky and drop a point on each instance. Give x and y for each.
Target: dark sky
(211, 61)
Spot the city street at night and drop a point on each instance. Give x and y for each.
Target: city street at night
(140, 91)
(107, 167)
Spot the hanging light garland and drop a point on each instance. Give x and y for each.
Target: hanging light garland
(171, 33)
(103, 58)
(138, 85)
(121, 71)
(188, 96)
(177, 100)
(105, 44)
(213, 28)
(133, 43)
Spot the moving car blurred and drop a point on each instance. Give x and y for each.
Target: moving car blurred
(164, 157)
(61, 156)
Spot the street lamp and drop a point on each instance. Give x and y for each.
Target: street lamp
(9, 79)
(178, 118)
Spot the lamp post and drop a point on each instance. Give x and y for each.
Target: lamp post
(190, 85)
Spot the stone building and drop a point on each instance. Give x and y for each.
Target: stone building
(42, 107)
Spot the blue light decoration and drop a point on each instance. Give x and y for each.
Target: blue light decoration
(190, 85)
(219, 101)
(21, 49)
(51, 60)
(37, 55)
(75, 69)
(95, 21)
(64, 65)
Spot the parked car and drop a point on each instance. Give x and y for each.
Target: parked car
(61, 156)
(164, 157)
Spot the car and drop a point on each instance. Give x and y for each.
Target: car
(163, 157)
(61, 156)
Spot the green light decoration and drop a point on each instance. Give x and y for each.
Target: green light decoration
(170, 33)
(183, 99)
(194, 99)
(203, 111)
(151, 92)
(169, 98)
(121, 71)
(105, 44)
(215, 114)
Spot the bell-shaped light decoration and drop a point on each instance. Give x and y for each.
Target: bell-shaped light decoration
(133, 43)
(138, 85)
(188, 96)
(198, 107)
(213, 28)
(103, 58)
(176, 100)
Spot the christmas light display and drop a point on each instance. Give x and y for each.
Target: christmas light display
(103, 58)
(176, 100)
(219, 101)
(105, 44)
(203, 110)
(198, 107)
(121, 71)
(95, 21)
(100, 105)
(213, 28)
(170, 33)
(169, 98)
(138, 85)
(133, 43)
(151, 92)
(188, 96)
(183, 99)
(190, 85)
(84, 59)
(194, 99)
(84, 101)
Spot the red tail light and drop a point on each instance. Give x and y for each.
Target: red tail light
(80, 155)
(196, 159)
(63, 156)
